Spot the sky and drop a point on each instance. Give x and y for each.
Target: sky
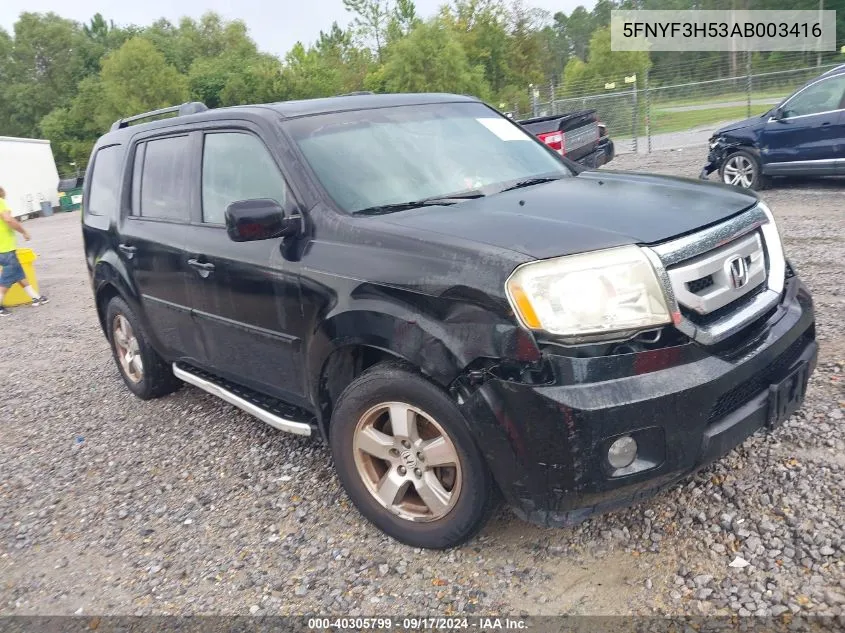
(275, 26)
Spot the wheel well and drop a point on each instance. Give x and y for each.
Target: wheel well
(104, 295)
(742, 148)
(341, 368)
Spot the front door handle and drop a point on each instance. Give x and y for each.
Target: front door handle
(129, 251)
(203, 268)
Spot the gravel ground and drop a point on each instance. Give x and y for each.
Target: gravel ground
(186, 505)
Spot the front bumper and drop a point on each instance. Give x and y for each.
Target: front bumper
(687, 406)
(715, 157)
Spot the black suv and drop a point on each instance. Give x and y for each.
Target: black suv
(457, 310)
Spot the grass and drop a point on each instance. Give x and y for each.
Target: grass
(662, 121)
(720, 98)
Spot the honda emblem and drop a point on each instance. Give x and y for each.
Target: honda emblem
(738, 269)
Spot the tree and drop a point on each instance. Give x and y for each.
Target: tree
(308, 74)
(403, 20)
(430, 58)
(372, 19)
(192, 40)
(481, 28)
(337, 49)
(559, 42)
(260, 81)
(136, 78)
(527, 54)
(233, 79)
(603, 66)
(601, 12)
(41, 71)
(101, 38)
(579, 28)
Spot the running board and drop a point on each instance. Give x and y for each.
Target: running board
(206, 383)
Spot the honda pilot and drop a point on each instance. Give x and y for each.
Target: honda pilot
(459, 312)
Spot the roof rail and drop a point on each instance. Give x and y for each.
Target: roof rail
(192, 107)
(355, 94)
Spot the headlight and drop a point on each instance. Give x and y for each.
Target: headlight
(598, 295)
(714, 142)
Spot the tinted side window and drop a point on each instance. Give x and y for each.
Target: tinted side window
(105, 182)
(161, 185)
(821, 97)
(237, 166)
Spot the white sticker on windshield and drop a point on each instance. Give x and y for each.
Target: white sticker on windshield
(504, 129)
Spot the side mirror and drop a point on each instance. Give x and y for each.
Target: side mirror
(259, 219)
(777, 115)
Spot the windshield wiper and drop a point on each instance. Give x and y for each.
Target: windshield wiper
(434, 201)
(528, 182)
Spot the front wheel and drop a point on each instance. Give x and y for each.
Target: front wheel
(406, 458)
(742, 169)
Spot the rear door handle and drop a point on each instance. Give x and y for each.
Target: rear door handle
(129, 251)
(203, 268)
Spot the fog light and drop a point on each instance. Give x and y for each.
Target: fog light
(622, 452)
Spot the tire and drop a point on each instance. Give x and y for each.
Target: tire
(742, 169)
(362, 410)
(147, 375)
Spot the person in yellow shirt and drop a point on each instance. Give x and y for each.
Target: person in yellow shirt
(12, 272)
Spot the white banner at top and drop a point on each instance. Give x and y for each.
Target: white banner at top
(722, 30)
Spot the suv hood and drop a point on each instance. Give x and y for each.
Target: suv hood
(753, 122)
(594, 210)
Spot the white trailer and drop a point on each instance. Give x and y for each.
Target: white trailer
(28, 174)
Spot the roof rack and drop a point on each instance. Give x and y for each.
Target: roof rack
(355, 94)
(192, 107)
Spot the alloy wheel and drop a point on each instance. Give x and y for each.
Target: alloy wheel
(407, 461)
(739, 170)
(127, 348)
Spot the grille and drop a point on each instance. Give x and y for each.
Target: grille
(719, 276)
(746, 391)
(713, 272)
(739, 304)
(698, 285)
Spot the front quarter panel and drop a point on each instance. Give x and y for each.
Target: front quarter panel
(439, 308)
(748, 139)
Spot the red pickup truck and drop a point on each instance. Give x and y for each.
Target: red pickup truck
(579, 136)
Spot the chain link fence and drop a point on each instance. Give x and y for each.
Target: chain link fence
(642, 117)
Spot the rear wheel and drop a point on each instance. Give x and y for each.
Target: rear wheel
(406, 458)
(742, 169)
(142, 369)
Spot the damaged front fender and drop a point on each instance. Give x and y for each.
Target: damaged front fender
(720, 148)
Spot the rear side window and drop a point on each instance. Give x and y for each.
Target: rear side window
(236, 166)
(105, 182)
(161, 183)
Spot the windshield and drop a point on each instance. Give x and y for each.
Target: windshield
(375, 159)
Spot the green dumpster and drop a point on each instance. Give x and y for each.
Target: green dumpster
(70, 194)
